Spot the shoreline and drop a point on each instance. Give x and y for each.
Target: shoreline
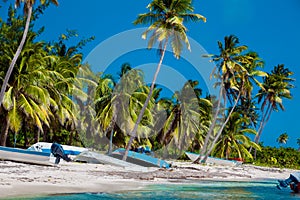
(25, 180)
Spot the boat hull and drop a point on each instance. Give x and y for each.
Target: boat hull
(97, 158)
(46, 147)
(140, 159)
(25, 156)
(211, 160)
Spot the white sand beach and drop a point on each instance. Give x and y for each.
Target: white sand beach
(19, 179)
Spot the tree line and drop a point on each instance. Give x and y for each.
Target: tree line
(51, 95)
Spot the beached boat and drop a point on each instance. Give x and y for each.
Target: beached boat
(293, 181)
(25, 156)
(98, 158)
(212, 160)
(140, 159)
(46, 147)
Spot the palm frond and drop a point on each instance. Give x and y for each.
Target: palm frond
(14, 118)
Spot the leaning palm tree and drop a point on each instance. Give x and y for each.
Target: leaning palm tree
(277, 85)
(28, 5)
(230, 74)
(166, 19)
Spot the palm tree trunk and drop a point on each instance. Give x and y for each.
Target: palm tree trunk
(266, 121)
(133, 132)
(37, 136)
(262, 124)
(221, 129)
(267, 115)
(71, 137)
(259, 131)
(212, 126)
(110, 141)
(17, 54)
(257, 136)
(4, 133)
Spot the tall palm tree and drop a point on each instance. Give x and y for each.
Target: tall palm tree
(283, 138)
(166, 19)
(229, 66)
(118, 103)
(28, 5)
(298, 142)
(103, 106)
(237, 72)
(27, 97)
(277, 85)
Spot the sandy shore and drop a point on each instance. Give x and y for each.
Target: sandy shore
(18, 179)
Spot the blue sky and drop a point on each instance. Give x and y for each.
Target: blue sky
(270, 28)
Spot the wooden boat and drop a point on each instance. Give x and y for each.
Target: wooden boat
(140, 159)
(46, 147)
(212, 160)
(25, 156)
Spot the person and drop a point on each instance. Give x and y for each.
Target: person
(293, 181)
(58, 152)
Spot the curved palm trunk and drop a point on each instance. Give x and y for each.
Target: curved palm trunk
(221, 129)
(17, 54)
(211, 128)
(133, 132)
(261, 125)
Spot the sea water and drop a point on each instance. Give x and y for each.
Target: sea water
(206, 190)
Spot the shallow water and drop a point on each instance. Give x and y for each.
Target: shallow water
(192, 190)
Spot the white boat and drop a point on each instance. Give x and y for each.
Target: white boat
(212, 160)
(46, 147)
(25, 156)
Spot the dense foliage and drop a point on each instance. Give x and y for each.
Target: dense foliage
(278, 157)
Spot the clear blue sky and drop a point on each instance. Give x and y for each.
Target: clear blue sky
(269, 27)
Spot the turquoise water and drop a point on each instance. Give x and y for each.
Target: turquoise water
(195, 190)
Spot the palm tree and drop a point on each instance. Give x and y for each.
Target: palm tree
(237, 72)
(277, 85)
(118, 103)
(72, 89)
(27, 97)
(186, 121)
(103, 106)
(28, 4)
(298, 142)
(230, 73)
(234, 141)
(166, 19)
(283, 138)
